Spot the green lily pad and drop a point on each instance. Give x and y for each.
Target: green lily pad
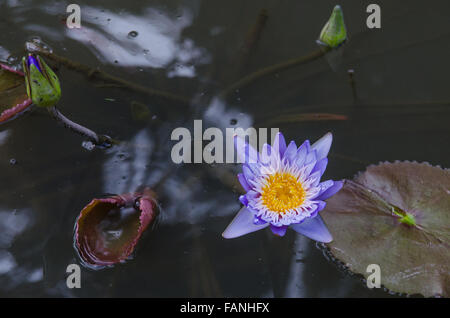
(395, 215)
(13, 94)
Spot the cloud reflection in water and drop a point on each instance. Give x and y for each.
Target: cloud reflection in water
(157, 43)
(134, 164)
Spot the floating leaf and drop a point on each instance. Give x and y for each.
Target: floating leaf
(108, 229)
(396, 215)
(13, 94)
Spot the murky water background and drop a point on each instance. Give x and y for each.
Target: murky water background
(196, 49)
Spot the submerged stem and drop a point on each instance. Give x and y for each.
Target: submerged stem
(351, 77)
(113, 80)
(247, 80)
(99, 140)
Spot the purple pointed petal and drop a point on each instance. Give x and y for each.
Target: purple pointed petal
(243, 223)
(309, 168)
(321, 166)
(248, 173)
(331, 190)
(314, 178)
(279, 144)
(301, 154)
(278, 230)
(311, 157)
(245, 152)
(307, 145)
(244, 182)
(320, 206)
(266, 152)
(314, 228)
(323, 145)
(324, 186)
(290, 152)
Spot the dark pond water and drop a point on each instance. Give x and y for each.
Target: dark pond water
(196, 49)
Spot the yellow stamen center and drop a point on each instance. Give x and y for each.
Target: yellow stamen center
(282, 192)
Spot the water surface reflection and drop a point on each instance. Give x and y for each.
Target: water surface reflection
(195, 49)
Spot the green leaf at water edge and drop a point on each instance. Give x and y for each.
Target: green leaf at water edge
(396, 215)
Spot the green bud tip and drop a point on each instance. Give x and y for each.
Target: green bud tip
(334, 33)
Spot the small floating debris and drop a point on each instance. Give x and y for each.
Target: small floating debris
(35, 44)
(88, 145)
(12, 59)
(132, 34)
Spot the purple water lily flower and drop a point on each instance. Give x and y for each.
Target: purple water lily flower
(283, 188)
